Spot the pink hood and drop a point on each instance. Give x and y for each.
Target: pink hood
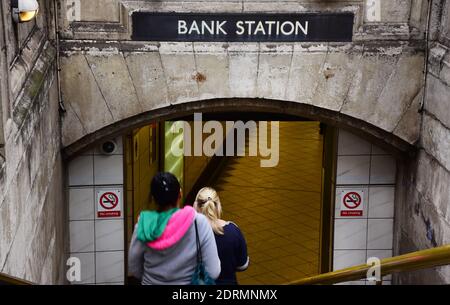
(177, 227)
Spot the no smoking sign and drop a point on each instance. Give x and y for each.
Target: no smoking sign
(352, 203)
(109, 204)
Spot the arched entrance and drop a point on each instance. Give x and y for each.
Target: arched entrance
(279, 208)
(311, 247)
(372, 132)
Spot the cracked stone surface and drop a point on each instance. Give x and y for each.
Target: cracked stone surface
(378, 89)
(106, 78)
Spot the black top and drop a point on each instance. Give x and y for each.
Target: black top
(232, 250)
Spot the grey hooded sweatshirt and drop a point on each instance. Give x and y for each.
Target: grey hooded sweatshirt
(175, 265)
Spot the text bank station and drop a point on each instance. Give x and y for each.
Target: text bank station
(315, 27)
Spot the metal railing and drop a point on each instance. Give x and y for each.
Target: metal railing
(419, 260)
(9, 280)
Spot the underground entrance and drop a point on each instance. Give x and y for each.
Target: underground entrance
(282, 206)
(288, 211)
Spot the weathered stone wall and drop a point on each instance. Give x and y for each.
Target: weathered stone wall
(32, 208)
(378, 78)
(107, 78)
(424, 220)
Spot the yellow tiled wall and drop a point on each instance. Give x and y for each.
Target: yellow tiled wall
(278, 209)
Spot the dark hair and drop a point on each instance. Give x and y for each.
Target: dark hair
(165, 188)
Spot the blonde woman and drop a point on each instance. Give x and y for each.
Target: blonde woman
(230, 242)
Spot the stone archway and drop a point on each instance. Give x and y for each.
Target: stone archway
(110, 88)
(107, 87)
(360, 127)
(393, 143)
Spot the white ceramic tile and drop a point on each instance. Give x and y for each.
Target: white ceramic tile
(119, 150)
(380, 234)
(111, 284)
(337, 212)
(87, 267)
(81, 203)
(81, 171)
(81, 236)
(350, 234)
(353, 170)
(108, 170)
(350, 144)
(381, 254)
(383, 170)
(109, 235)
(381, 202)
(348, 258)
(109, 267)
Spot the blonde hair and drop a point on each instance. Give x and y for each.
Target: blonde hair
(208, 203)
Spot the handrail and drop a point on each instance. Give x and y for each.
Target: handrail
(439, 256)
(424, 259)
(10, 280)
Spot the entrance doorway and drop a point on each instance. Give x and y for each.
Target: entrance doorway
(284, 212)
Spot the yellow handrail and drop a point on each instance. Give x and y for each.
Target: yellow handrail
(10, 280)
(424, 259)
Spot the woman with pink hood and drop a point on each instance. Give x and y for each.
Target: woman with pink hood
(163, 249)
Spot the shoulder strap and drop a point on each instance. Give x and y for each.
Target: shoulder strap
(199, 247)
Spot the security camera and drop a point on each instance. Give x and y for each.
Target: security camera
(24, 10)
(108, 147)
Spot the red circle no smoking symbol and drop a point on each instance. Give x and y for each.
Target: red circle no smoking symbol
(352, 200)
(109, 201)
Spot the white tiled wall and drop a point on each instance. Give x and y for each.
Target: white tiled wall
(363, 166)
(98, 243)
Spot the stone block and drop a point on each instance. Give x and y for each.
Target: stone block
(393, 91)
(243, 65)
(335, 79)
(445, 69)
(409, 126)
(305, 74)
(438, 99)
(433, 183)
(395, 11)
(81, 91)
(113, 79)
(148, 78)
(273, 74)
(100, 11)
(179, 66)
(72, 127)
(369, 81)
(436, 140)
(212, 76)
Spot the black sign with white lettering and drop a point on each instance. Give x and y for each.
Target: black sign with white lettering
(243, 27)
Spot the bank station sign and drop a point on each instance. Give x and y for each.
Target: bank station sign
(243, 27)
